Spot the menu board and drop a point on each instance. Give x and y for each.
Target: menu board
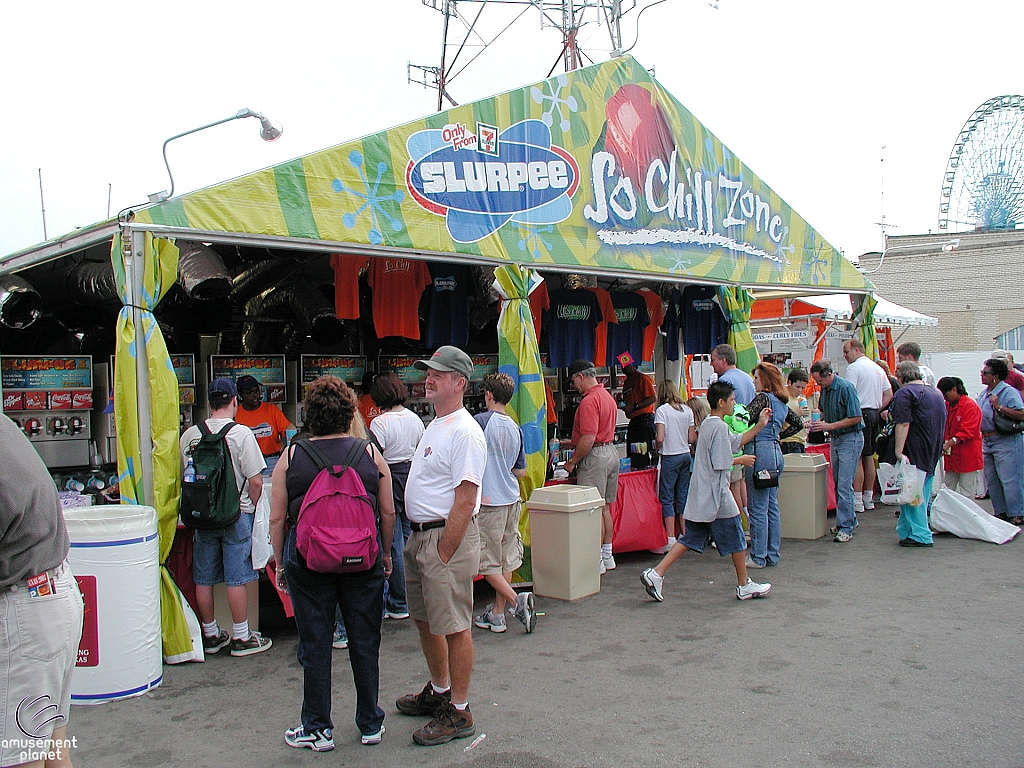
(46, 372)
(268, 370)
(184, 369)
(402, 365)
(484, 365)
(348, 368)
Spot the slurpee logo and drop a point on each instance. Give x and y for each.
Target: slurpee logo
(479, 182)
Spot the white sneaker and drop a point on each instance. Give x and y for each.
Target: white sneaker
(652, 583)
(858, 503)
(601, 569)
(608, 562)
(869, 501)
(752, 589)
(751, 564)
(663, 550)
(369, 739)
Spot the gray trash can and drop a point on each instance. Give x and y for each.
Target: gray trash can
(803, 496)
(565, 540)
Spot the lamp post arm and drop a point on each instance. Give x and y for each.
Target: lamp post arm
(241, 113)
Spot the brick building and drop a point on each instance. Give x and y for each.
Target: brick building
(975, 290)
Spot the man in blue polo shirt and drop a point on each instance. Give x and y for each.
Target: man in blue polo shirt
(841, 418)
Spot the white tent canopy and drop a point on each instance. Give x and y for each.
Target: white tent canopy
(837, 306)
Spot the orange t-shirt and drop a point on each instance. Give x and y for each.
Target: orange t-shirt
(397, 286)
(550, 397)
(601, 334)
(368, 409)
(346, 284)
(268, 423)
(637, 387)
(657, 316)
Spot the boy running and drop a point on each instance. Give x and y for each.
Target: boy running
(711, 512)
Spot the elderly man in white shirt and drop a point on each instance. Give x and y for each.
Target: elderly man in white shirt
(875, 392)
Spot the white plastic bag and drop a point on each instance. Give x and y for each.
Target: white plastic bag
(956, 514)
(261, 549)
(901, 484)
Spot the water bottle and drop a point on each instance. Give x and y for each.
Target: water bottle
(189, 475)
(553, 449)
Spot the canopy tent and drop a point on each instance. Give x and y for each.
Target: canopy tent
(835, 306)
(599, 170)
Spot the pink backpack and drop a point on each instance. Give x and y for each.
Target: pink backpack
(336, 530)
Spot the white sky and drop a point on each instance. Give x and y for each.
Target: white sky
(805, 93)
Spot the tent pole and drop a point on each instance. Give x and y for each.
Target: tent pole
(138, 266)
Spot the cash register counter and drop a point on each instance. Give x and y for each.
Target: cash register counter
(636, 513)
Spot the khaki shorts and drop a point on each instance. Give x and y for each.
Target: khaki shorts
(600, 468)
(736, 473)
(38, 655)
(501, 546)
(441, 594)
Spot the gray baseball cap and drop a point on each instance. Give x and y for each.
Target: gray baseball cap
(448, 358)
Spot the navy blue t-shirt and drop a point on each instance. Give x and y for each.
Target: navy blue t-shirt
(628, 334)
(924, 408)
(572, 319)
(672, 324)
(448, 320)
(704, 324)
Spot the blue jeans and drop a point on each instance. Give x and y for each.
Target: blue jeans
(396, 600)
(763, 506)
(913, 522)
(846, 450)
(674, 484)
(315, 597)
(1004, 473)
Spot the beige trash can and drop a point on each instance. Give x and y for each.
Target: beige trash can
(803, 496)
(565, 536)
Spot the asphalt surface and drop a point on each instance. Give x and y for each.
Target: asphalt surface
(864, 654)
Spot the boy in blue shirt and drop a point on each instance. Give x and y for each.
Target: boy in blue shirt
(711, 512)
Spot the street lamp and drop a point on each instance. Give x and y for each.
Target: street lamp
(269, 131)
(946, 245)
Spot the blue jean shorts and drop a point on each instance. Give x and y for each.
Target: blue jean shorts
(224, 555)
(727, 534)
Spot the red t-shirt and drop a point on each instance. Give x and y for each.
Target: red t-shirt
(346, 284)
(601, 334)
(595, 416)
(550, 397)
(657, 316)
(635, 388)
(1016, 380)
(397, 286)
(963, 421)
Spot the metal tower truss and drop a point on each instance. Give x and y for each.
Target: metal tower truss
(983, 186)
(464, 41)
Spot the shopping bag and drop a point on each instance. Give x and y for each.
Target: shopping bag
(956, 514)
(261, 549)
(901, 484)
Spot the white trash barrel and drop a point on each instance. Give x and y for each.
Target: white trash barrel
(115, 557)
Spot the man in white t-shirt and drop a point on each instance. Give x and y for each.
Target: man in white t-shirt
(442, 556)
(875, 392)
(225, 554)
(911, 350)
(501, 546)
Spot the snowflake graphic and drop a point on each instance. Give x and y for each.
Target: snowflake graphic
(816, 263)
(680, 266)
(373, 201)
(540, 97)
(531, 239)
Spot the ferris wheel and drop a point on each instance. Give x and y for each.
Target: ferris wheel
(983, 187)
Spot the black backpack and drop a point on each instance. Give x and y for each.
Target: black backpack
(212, 501)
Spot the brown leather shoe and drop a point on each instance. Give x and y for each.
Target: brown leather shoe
(449, 724)
(426, 702)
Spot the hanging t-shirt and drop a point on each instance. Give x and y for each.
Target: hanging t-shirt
(655, 317)
(704, 324)
(673, 324)
(628, 334)
(448, 318)
(346, 284)
(397, 286)
(572, 318)
(608, 312)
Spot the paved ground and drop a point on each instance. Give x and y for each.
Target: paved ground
(865, 654)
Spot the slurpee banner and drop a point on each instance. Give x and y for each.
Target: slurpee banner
(599, 168)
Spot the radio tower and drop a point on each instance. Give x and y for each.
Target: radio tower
(462, 40)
